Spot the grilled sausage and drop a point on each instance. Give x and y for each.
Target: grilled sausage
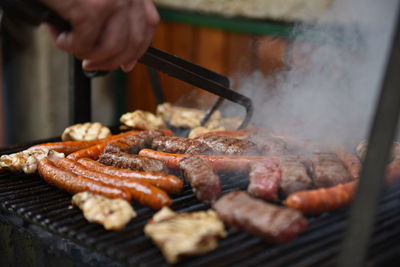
(142, 192)
(69, 147)
(323, 199)
(73, 183)
(167, 182)
(222, 163)
(92, 152)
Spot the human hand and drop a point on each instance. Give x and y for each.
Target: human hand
(105, 34)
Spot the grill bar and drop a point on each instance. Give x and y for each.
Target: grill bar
(30, 198)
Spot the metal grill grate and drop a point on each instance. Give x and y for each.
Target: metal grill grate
(29, 197)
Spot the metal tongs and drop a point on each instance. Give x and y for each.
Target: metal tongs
(34, 12)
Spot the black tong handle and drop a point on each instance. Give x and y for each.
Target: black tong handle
(35, 12)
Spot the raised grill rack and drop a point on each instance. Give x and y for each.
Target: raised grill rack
(36, 202)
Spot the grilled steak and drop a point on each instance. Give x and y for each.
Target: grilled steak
(294, 175)
(179, 145)
(275, 224)
(133, 144)
(227, 145)
(327, 170)
(270, 145)
(133, 162)
(199, 174)
(264, 181)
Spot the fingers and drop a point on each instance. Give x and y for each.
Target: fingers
(139, 27)
(106, 34)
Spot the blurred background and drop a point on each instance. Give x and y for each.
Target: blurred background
(235, 38)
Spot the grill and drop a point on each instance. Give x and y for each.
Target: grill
(31, 199)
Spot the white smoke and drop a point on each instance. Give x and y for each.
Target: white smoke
(331, 94)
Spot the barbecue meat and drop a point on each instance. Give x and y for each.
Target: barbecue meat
(264, 181)
(27, 160)
(85, 131)
(183, 234)
(327, 170)
(268, 145)
(113, 214)
(132, 162)
(179, 145)
(205, 183)
(227, 145)
(134, 143)
(362, 147)
(294, 175)
(140, 119)
(275, 224)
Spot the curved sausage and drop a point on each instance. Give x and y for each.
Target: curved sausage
(142, 192)
(323, 199)
(73, 183)
(68, 147)
(221, 163)
(92, 152)
(167, 182)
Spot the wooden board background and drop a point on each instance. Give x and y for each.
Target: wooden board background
(221, 51)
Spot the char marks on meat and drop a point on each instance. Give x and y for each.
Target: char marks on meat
(294, 175)
(132, 162)
(133, 144)
(179, 145)
(270, 145)
(205, 183)
(327, 170)
(228, 146)
(275, 224)
(264, 180)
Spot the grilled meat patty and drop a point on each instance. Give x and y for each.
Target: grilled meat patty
(132, 162)
(133, 144)
(179, 145)
(205, 183)
(327, 170)
(227, 145)
(264, 181)
(294, 175)
(276, 224)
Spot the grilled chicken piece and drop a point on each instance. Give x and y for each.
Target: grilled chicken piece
(294, 175)
(273, 223)
(113, 214)
(27, 160)
(85, 131)
(132, 162)
(328, 170)
(143, 120)
(183, 117)
(184, 234)
(205, 183)
(264, 181)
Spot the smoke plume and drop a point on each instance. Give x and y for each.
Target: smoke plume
(329, 87)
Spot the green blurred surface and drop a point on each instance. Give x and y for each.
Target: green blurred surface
(234, 24)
